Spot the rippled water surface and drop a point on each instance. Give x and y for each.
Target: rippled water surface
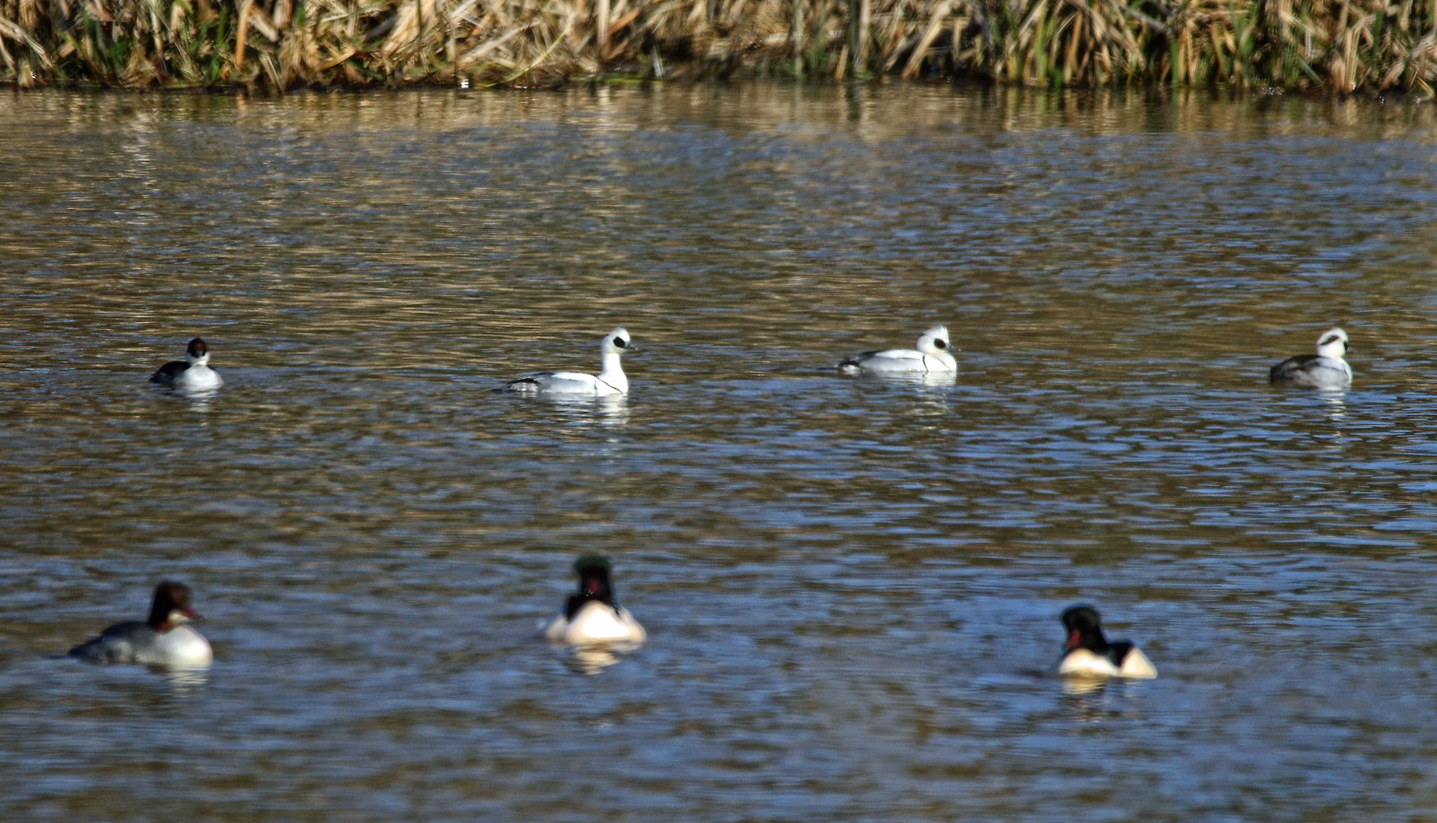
(851, 586)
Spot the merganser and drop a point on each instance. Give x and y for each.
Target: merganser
(162, 639)
(591, 616)
(1088, 652)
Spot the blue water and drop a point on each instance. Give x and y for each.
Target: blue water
(851, 586)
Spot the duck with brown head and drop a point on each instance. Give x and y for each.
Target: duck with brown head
(163, 639)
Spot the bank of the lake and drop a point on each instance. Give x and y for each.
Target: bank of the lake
(274, 46)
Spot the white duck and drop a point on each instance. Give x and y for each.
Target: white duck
(609, 381)
(930, 355)
(1327, 369)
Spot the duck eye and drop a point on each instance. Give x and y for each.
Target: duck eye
(940, 343)
(620, 342)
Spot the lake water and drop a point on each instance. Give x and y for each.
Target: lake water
(851, 586)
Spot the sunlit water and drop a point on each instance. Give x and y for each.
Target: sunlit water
(851, 586)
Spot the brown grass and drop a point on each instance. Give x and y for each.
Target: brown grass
(278, 45)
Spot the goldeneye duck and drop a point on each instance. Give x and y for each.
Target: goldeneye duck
(1327, 369)
(1088, 653)
(930, 355)
(609, 381)
(191, 374)
(162, 639)
(591, 616)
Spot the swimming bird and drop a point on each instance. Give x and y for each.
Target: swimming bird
(1087, 652)
(191, 374)
(163, 639)
(929, 355)
(1327, 369)
(591, 616)
(609, 381)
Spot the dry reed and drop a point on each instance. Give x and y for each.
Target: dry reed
(278, 45)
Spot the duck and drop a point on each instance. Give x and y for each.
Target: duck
(191, 374)
(163, 640)
(1327, 369)
(1088, 653)
(609, 381)
(591, 616)
(929, 355)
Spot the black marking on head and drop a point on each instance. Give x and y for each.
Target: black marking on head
(1328, 339)
(197, 348)
(621, 342)
(940, 343)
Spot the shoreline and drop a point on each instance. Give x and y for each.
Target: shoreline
(272, 47)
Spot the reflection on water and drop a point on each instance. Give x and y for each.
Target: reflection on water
(195, 400)
(930, 380)
(851, 583)
(1334, 404)
(590, 660)
(186, 682)
(1083, 685)
(609, 410)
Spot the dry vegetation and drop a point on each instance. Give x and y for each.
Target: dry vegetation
(276, 45)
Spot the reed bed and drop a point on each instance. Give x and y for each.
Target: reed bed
(278, 45)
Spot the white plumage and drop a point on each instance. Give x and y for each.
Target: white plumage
(1327, 369)
(930, 355)
(610, 380)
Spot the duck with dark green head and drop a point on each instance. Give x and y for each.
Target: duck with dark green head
(1089, 653)
(591, 615)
